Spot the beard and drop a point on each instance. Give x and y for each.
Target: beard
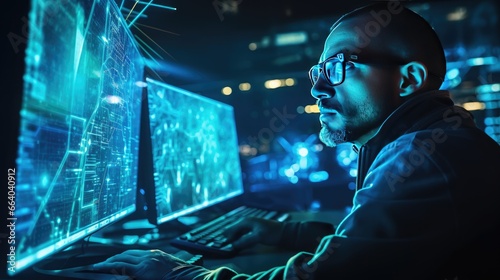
(350, 134)
(332, 138)
(353, 123)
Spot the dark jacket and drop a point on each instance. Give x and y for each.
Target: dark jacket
(427, 205)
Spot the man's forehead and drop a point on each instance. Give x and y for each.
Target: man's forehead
(347, 36)
(338, 41)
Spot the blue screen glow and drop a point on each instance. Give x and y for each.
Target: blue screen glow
(195, 151)
(79, 128)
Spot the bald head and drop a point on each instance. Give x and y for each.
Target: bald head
(388, 29)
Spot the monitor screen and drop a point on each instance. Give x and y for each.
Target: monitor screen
(77, 160)
(195, 154)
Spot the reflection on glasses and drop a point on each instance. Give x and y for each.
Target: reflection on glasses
(334, 67)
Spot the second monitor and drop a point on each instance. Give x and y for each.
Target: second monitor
(193, 150)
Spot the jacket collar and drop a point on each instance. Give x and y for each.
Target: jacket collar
(417, 113)
(407, 117)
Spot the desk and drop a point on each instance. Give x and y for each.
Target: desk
(256, 259)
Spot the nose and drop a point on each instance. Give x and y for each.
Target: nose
(322, 90)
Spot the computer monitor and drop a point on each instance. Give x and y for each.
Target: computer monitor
(77, 161)
(193, 151)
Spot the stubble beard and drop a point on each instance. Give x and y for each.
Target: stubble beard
(332, 138)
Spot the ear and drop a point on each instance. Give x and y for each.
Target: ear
(413, 78)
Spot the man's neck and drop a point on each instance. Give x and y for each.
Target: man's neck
(365, 137)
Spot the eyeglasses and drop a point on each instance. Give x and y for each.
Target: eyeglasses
(333, 69)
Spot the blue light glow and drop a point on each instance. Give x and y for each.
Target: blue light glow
(452, 74)
(79, 127)
(315, 205)
(294, 179)
(478, 61)
(289, 172)
(318, 176)
(114, 99)
(45, 181)
(353, 172)
(200, 162)
(303, 152)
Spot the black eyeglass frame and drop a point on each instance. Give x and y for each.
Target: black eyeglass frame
(321, 66)
(352, 57)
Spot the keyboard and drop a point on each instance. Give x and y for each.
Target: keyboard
(207, 239)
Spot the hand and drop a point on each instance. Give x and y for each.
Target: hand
(250, 231)
(140, 264)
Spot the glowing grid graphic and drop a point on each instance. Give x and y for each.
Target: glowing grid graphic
(79, 132)
(195, 150)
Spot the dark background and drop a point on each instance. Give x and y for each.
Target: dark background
(203, 46)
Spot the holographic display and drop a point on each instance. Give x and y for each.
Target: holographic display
(79, 129)
(194, 151)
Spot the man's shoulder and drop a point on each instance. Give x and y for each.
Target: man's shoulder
(463, 141)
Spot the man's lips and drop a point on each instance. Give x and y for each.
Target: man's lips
(326, 111)
(327, 116)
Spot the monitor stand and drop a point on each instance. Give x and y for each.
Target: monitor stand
(139, 232)
(132, 232)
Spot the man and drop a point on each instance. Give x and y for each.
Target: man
(428, 185)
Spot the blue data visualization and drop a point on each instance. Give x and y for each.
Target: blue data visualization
(79, 129)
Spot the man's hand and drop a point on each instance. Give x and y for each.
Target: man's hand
(141, 264)
(250, 231)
